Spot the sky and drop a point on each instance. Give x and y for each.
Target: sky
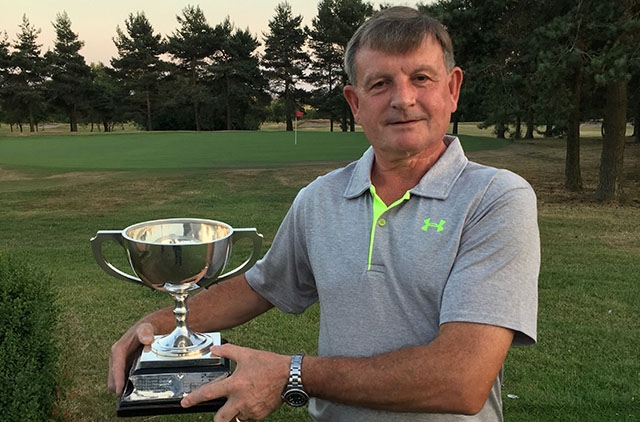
(95, 22)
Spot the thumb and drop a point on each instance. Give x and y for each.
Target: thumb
(145, 333)
(227, 350)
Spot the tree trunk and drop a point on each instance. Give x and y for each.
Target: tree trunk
(636, 118)
(227, 100)
(572, 174)
(548, 130)
(73, 119)
(289, 106)
(611, 162)
(196, 115)
(148, 98)
(530, 124)
(518, 134)
(32, 122)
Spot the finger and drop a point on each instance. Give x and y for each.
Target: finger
(122, 354)
(227, 350)
(117, 371)
(145, 333)
(210, 391)
(115, 383)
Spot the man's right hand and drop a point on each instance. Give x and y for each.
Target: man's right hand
(123, 352)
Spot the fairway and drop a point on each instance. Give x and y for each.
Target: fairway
(190, 150)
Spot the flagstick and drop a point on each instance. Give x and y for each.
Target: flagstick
(295, 136)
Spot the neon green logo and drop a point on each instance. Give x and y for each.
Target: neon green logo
(438, 226)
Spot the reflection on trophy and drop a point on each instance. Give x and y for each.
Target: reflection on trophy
(176, 256)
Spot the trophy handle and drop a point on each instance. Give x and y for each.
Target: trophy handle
(96, 245)
(256, 238)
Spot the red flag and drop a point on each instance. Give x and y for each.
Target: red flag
(299, 113)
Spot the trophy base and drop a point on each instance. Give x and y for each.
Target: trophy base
(157, 384)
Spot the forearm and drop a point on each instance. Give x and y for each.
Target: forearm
(225, 305)
(437, 378)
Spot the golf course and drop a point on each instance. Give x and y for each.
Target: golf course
(58, 189)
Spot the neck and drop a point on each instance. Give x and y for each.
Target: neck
(392, 177)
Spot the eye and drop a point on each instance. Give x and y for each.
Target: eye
(378, 84)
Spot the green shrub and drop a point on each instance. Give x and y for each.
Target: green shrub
(27, 346)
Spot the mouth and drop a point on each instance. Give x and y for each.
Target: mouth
(403, 122)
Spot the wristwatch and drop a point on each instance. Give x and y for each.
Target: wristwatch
(293, 393)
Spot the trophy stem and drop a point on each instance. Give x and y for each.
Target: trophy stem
(181, 341)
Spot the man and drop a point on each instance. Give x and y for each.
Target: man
(424, 264)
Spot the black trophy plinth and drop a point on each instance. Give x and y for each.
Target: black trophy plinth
(156, 385)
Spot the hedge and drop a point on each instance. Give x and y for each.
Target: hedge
(28, 354)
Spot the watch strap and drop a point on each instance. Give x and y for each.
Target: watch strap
(295, 371)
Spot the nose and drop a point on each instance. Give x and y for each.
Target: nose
(403, 94)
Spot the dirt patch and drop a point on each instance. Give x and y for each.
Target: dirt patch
(542, 163)
(12, 175)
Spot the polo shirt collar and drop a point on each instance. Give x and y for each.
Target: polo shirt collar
(436, 183)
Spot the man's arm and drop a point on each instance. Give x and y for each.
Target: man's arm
(453, 374)
(223, 305)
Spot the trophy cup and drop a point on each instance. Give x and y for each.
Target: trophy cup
(176, 256)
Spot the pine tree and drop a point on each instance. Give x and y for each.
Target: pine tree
(26, 76)
(70, 76)
(285, 60)
(332, 28)
(138, 65)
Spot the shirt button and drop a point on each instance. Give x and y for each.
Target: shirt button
(382, 222)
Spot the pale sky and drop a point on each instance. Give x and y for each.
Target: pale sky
(95, 21)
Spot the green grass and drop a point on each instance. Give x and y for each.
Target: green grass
(188, 150)
(585, 367)
(176, 150)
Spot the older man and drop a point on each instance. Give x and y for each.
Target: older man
(424, 264)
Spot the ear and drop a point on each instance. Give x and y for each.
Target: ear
(455, 81)
(351, 96)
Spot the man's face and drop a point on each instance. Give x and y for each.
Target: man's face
(404, 101)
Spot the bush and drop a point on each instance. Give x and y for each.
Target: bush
(27, 346)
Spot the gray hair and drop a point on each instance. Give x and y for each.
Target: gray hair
(397, 29)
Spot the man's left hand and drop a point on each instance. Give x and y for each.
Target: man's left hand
(253, 390)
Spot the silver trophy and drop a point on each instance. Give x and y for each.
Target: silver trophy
(176, 256)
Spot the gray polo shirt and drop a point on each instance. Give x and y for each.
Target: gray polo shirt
(462, 246)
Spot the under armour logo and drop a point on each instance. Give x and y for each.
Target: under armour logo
(438, 226)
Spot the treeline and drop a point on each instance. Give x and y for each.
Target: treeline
(551, 64)
(529, 65)
(199, 77)
(526, 63)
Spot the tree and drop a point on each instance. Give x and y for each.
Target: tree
(70, 76)
(477, 32)
(285, 59)
(589, 46)
(138, 65)
(104, 96)
(5, 58)
(241, 86)
(25, 77)
(615, 29)
(193, 46)
(561, 41)
(332, 28)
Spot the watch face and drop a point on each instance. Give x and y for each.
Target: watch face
(296, 398)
